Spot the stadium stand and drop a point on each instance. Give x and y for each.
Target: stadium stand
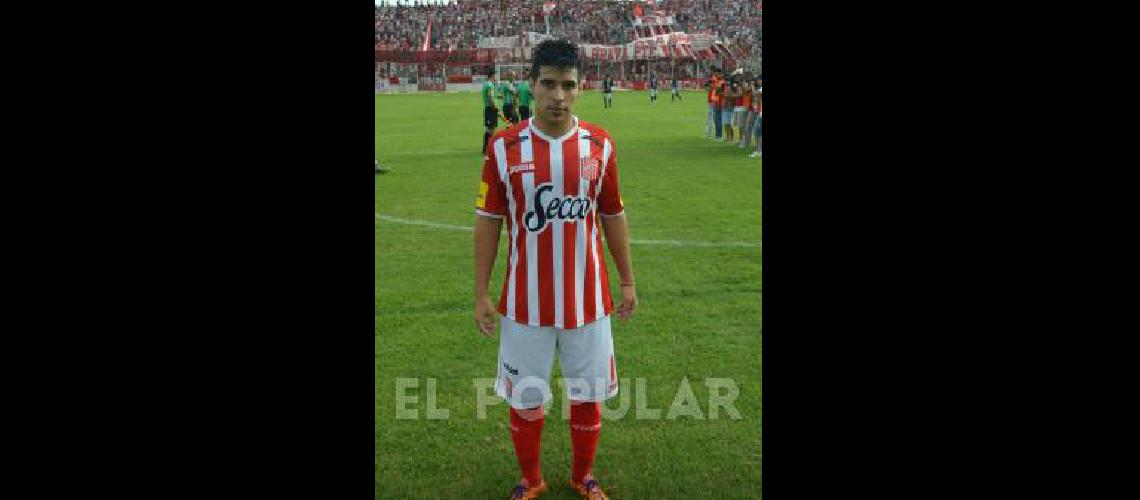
(459, 26)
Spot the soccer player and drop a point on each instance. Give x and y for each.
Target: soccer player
(676, 90)
(652, 87)
(490, 112)
(608, 92)
(525, 96)
(554, 180)
(507, 93)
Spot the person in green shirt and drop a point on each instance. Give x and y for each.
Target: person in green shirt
(508, 92)
(490, 112)
(524, 96)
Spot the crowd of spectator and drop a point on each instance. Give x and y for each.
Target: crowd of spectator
(460, 24)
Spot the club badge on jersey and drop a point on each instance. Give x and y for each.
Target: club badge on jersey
(588, 168)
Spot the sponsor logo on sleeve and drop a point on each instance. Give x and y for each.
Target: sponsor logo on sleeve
(481, 200)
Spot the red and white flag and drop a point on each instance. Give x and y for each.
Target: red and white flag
(427, 37)
(548, 7)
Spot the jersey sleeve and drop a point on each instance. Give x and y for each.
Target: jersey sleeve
(609, 199)
(492, 198)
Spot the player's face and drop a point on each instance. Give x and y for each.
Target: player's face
(555, 90)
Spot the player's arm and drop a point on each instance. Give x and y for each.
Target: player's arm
(616, 230)
(490, 208)
(487, 230)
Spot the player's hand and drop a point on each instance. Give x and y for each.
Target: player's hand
(485, 315)
(628, 303)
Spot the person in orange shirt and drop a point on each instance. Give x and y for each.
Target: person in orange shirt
(713, 120)
(729, 89)
(758, 105)
(749, 116)
(738, 108)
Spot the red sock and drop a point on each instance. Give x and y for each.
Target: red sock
(526, 432)
(585, 427)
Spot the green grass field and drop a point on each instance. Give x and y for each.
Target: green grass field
(694, 214)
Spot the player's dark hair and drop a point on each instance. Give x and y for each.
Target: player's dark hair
(491, 72)
(557, 53)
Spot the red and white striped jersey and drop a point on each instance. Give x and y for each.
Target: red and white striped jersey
(551, 190)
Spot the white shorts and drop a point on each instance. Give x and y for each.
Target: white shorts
(526, 355)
